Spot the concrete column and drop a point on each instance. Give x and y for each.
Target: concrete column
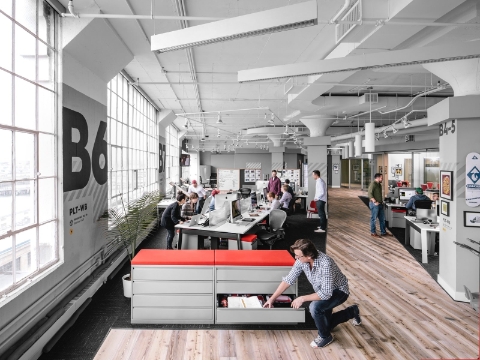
(461, 116)
(317, 160)
(277, 157)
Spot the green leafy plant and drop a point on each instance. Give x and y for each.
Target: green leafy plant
(131, 222)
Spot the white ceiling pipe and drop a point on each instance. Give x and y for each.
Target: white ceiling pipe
(414, 124)
(141, 17)
(342, 11)
(358, 145)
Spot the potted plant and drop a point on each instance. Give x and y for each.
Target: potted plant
(129, 223)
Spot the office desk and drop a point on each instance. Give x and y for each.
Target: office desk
(426, 231)
(223, 230)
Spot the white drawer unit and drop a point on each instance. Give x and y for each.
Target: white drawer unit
(172, 294)
(260, 316)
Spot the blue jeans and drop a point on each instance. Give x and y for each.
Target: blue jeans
(322, 313)
(377, 211)
(170, 237)
(321, 214)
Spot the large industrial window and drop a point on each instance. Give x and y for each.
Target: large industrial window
(28, 173)
(172, 155)
(132, 143)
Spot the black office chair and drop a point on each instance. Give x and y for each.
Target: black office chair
(291, 206)
(423, 204)
(245, 192)
(276, 231)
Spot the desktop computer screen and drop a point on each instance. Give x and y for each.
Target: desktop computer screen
(406, 193)
(265, 194)
(235, 211)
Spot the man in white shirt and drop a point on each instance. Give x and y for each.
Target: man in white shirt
(320, 199)
(200, 191)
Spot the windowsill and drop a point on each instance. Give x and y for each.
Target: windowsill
(5, 299)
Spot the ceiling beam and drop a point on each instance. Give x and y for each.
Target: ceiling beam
(385, 59)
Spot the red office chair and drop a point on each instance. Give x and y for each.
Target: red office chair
(312, 209)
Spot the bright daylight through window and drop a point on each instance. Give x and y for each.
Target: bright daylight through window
(132, 143)
(28, 174)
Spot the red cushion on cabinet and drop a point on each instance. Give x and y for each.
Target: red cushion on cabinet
(253, 258)
(174, 257)
(249, 238)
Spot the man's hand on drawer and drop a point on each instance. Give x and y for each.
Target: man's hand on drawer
(297, 303)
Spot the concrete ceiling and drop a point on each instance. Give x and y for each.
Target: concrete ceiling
(219, 63)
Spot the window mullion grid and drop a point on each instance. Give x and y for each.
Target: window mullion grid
(36, 170)
(14, 170)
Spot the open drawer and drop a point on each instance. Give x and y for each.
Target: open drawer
(264, 316)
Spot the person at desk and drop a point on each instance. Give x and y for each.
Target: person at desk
(200, 191)
(376, 206)
(274, 184)
(418, 196)
(330, 286)
(286, 197)
(171, 217)
(274, 202)
(188, 209)
(290, 190)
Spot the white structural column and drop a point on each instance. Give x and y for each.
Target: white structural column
(458, 121)
(317, 160)
(277, 157)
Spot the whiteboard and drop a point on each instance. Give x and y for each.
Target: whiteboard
(228, 179)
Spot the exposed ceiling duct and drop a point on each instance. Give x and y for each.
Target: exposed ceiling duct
(264, 22)
(384, 59)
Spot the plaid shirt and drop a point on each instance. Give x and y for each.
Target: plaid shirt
(325, 276)
(188, 209)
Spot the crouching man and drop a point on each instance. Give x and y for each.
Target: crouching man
(330, 286)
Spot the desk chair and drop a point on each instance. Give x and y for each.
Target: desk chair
(276, 233)
(245, 192)
(423, 204)
(312, 209)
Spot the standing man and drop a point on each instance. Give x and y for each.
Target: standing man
(320, 199)
(274, 184)
(376, 206)
(330, 286)
(200, 191)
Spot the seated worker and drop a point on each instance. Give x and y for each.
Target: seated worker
(330, 287)
(212, 203)
(290, 190)
(274, 203)
(286, 197)
(418, 196)
(188, 209)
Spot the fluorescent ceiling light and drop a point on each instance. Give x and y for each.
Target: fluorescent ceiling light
(260, 23)
(384, 59)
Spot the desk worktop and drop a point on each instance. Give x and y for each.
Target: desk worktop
(422, 226)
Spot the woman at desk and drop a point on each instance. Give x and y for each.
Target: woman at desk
(171, 217)
(274, 203)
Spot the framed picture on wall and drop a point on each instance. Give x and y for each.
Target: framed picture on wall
(445, 208)
(471, 219)
(380, 169)
(446, 184)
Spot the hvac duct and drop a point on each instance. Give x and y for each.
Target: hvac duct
(351, 149)
(358, 145)
(369, 137)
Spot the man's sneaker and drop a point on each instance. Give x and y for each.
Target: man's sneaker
(319, 231)
(356, 316)
(321, 342)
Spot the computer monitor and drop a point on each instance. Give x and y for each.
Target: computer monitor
(206, 205)
(405, 193)
(235, 212)
(392, 183)
(265, 192)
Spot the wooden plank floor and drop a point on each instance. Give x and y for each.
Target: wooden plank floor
(405, 313)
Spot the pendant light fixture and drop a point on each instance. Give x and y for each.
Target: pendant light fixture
(370, 132)
(219, 119)
(351, 149)
(358, 145)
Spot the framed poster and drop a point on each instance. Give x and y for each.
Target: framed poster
(471, 219)
(445, 208)
(380, 169)
(472, 180)
(446, 184)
